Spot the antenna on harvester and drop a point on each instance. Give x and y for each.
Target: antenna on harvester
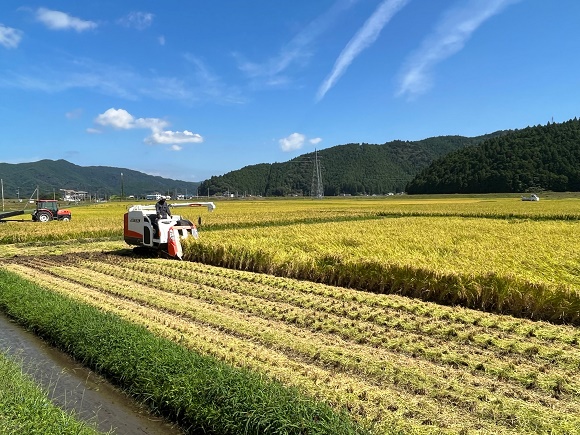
(317, 191)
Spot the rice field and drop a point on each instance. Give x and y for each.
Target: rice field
(94, 221)
(516, 266)
(393, 309)
(396, 364)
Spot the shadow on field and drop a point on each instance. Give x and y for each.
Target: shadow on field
(140, 252)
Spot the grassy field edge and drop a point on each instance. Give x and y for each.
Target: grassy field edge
(26, 408)
(201, 393)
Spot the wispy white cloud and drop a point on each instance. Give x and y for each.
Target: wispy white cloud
(137, 20)
(210, 86)
(120, 119)
(366, 36)
(296, 141)
(161, 40)
(9, 37)
(74, 114)
(57, 20)
(297, 51)
(197, 85)
(450, 36)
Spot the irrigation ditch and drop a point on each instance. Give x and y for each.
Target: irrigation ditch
(74, 388)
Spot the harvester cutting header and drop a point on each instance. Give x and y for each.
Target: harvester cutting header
(143, 227)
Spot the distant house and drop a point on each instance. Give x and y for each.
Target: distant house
(156, 197)
(73, 195)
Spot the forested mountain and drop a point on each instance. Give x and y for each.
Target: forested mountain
(345, 169)
(52, 175)
(535, 158)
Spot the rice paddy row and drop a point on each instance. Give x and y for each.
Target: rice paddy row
(523, 268)
(394, 363)
(201, 393)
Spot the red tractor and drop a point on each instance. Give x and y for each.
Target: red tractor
(47, 210)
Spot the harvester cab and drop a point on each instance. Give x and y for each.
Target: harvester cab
(142, 228)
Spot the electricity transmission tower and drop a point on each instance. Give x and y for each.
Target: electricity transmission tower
(316, 191)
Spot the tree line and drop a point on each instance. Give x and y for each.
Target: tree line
(350, 169)
(531, 159)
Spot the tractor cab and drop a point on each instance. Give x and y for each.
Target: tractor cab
(47, 210)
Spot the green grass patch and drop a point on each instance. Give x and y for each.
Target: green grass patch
(201, 393)
(26, 409)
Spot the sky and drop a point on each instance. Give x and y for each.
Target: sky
(192, 89)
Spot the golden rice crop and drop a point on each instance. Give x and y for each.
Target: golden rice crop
(486, 251)
(88, 222)
(105, 220)
(391, 361)
(519, 266)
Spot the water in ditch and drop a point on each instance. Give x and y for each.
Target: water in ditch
(76, 388)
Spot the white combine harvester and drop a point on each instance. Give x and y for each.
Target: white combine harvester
(532, 197)
(142, 228)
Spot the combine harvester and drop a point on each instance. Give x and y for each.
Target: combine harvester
(532, 197)
(143, 229)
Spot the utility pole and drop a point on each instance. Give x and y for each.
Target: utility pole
(316, 191)
(122, 188)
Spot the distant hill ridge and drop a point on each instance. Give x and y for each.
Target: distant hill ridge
(351, 169)
(534, 158)
(51, 175)
(531, 159)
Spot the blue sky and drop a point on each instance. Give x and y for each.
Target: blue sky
(191, 89)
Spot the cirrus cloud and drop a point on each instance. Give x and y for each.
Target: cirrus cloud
(450, 37)
(137, 20)
(365, 37)
(9, 37)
